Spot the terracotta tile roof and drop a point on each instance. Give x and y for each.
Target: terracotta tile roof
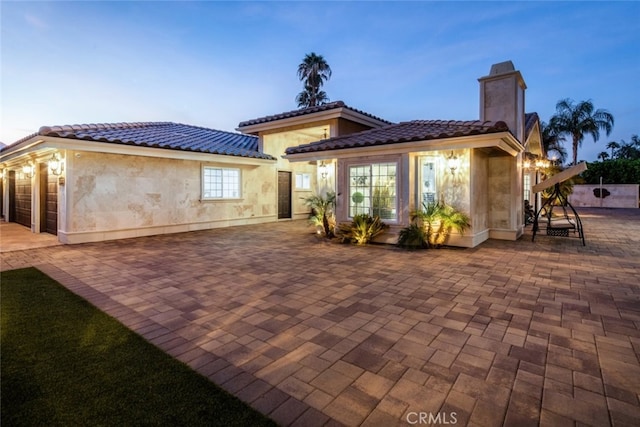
(416, 130)
(304, 111)
(168, 135)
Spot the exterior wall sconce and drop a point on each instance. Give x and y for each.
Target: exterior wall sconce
(55, 164)
(323, 169)
(542, 164)
(27, 170)
(537, 165)
(453, 163)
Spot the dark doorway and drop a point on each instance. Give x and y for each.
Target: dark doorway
(48, 201)
(284, 195)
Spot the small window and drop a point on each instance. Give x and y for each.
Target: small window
(428, 180)
(220, 183)
(303, 181)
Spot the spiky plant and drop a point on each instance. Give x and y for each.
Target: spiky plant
(413, 237)
(362, 229)
(438, 220)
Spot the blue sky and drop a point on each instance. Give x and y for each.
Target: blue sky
(215, 64)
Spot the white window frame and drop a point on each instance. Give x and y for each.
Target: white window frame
(303, 181)
(367, 188)
(226, 192)
(423, 188)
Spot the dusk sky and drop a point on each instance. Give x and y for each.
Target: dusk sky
(215, 64)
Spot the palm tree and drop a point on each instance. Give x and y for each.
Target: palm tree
(603, 155)
(437, 220)
(551, 141)
(310, 98)
(313, 71)
(613, 146)
(580, 119)
(629, 150)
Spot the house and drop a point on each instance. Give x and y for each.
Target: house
(98, 182)
(475, 166)
(108, 181)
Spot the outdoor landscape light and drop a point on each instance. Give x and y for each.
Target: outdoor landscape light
(324, 170)
(27, 170)
(55, 165)
(453, 163)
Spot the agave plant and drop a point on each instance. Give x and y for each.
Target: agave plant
(362, 229)
(323, 212)
(437, 219)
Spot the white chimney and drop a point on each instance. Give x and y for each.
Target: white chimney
(502, 97)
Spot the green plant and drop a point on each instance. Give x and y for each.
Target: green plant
(323, 212)
(616, 171)
(381, 202)
(357, 197)
(413, 237)
(437, 219)
(362, 229)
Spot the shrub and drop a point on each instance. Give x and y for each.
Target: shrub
(323, 212)
(362, 229)
(413, 237)
(436, 220)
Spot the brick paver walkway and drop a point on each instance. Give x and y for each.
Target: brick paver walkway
(315, 333)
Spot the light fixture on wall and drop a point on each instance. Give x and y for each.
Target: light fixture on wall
(323, 169)
(55, 164)
(453, 163)
(27, 170)
(538, 164)
(542, 164)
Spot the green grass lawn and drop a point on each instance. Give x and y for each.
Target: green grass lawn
(64, 362)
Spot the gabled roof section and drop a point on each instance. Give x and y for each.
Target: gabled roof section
(530, 120)
(332, 109)
(416, 130)
(167, 135)
(532, 134)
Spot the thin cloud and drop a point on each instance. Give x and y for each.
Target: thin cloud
(36, 22)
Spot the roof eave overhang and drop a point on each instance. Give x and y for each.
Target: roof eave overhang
(503, 141)
(40, 143)
(334, 113)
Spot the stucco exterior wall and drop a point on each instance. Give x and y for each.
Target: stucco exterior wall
(619, 196)
(479, 201)
(504, 198)
(110, 196)
(276, 144)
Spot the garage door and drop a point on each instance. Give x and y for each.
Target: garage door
(22, 200)
(49, 201)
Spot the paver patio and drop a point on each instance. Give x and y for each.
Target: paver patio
(314, 333)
